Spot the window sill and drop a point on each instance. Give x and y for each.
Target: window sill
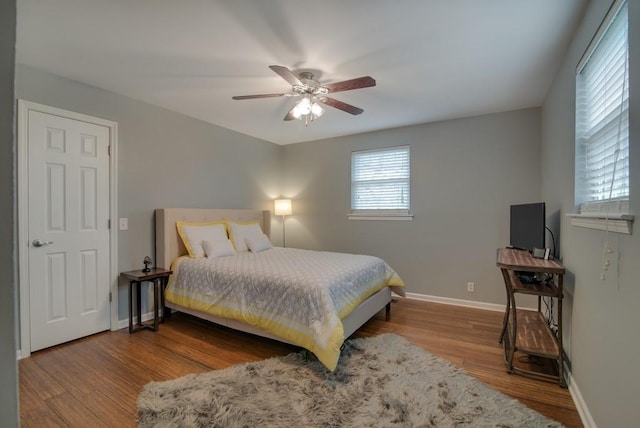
(401, 217)
(617, 223)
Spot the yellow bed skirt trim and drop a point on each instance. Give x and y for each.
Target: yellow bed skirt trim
(328, 355)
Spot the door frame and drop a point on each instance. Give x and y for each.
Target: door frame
(23, 209)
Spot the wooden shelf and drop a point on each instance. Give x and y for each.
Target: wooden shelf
(527, 331)
(534, 336)
(521, 260)
(543, 289)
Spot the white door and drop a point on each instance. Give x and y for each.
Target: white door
(68, 228)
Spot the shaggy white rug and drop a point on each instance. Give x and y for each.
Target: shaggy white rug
(384, 381)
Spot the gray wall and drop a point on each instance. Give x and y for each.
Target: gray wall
(603, 317)
(464, 176)
(9, 287)
(165, 159)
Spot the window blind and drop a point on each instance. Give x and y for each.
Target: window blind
(602, 115)
(380, 180)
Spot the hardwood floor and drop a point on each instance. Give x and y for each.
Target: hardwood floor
(95, 381)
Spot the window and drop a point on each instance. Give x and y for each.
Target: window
(602, 127)
(380, 183)
(602, 114)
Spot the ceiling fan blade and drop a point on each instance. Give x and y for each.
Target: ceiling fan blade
(347, 85)
(290, 115)
(286, 74)
(250, 97)
(340, 105)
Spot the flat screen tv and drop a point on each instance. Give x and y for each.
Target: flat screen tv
(527, 226)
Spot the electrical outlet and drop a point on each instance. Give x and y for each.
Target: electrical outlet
(124, 224)
(471, 287)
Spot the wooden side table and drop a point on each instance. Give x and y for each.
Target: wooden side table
(159, 278)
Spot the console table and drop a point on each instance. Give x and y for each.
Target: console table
(526, 331)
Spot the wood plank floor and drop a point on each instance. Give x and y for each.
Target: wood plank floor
(95, 381)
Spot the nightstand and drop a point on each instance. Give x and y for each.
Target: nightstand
(159, 278)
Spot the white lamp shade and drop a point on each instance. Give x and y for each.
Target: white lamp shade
(304, 106)
(282, 207)
(317, 110)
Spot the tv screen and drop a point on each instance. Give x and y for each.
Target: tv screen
(527, 226)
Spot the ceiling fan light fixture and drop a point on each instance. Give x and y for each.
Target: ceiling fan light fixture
(317, 110)
(303, 106)
(307, 109)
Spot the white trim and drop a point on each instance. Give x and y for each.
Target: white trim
(125, 322)
(617, 223)
(457, 302)
(401, 217)
(113, 216)
(578, 400)
(23, 208)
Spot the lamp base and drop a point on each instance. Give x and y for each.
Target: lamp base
(284, 245)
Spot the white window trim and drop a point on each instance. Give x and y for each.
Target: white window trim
(621, 224)
(382, 214)
(611, 216)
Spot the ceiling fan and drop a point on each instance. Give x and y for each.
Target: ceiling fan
(313, 93)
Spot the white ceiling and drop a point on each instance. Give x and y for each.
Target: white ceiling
(432, 59)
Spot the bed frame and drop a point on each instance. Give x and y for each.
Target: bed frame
(169, 246)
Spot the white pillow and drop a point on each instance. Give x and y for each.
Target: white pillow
(193, 234)
(258, 243)
(239, 232)
(219, 248)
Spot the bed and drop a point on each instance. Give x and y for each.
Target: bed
(171, 251)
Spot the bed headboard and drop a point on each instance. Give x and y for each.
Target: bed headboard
(169, 246)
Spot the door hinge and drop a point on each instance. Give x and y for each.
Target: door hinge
(109, 224)
(110, 296)
(109, 150)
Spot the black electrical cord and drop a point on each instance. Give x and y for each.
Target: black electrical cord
(549, 314)
(553, 240)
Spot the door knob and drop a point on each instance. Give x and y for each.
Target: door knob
(41, 243)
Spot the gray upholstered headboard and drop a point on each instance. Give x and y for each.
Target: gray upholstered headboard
(169, 246)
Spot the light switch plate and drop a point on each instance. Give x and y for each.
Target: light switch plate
(124, 224)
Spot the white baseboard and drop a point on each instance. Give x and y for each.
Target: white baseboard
(121, 324)
(125, 322)
(578, 400)
(456, 302)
